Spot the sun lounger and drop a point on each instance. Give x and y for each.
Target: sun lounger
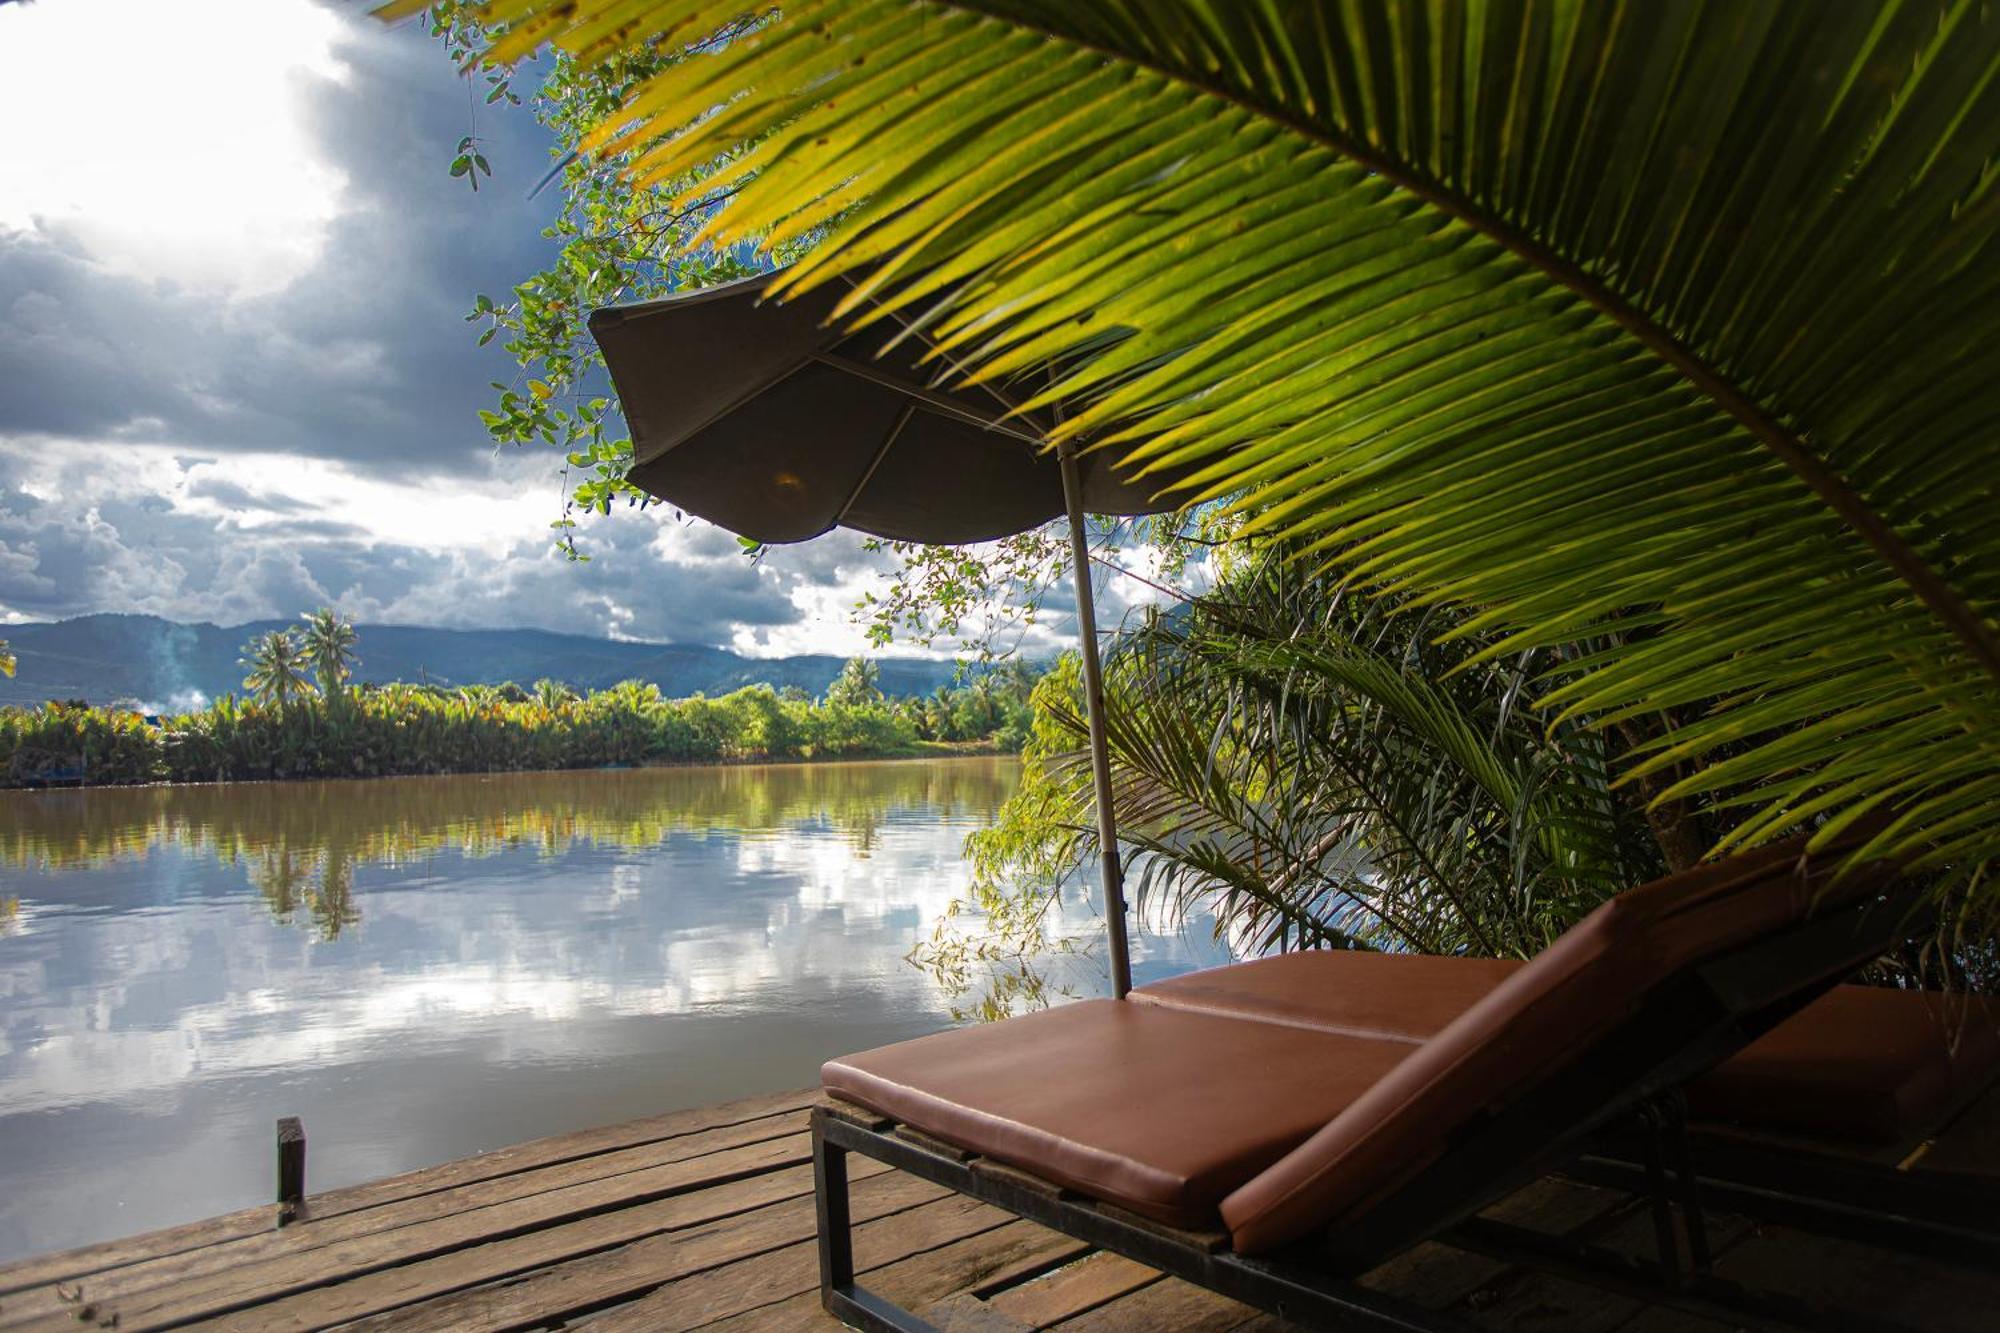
(1863, 1066)
(1821, 1120)
(1274, 1159)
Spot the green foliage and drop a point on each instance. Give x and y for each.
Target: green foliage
(1653, 340)
(328, 639)
(859, 682)
(6, 660)
(613, 243)
(1317, 770)
(287, 732)
(392, 729)
(278, 669)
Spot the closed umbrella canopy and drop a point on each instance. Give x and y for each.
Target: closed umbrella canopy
(759, 417)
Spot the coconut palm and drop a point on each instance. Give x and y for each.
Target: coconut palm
(278, 673)
(1658, 339)
(554, 696)
(329, 639)
(859, 682)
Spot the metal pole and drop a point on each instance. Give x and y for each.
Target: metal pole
(1100, 753)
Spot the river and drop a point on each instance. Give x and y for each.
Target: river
(422, 968)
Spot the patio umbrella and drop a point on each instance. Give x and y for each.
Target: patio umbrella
(764, 419)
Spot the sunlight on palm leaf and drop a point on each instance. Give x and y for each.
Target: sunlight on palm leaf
(1665, 327)
(1311, 770)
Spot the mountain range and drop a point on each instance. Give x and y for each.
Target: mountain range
(170, 666)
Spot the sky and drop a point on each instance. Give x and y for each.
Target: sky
(239, 384)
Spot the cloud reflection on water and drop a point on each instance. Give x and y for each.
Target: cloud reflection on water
(489, 959)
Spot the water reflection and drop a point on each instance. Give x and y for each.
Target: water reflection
(426, 967)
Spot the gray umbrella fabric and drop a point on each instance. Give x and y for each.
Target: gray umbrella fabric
(757, 416)
(760, 417)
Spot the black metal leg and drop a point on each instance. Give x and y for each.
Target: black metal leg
(836, 1233)
(1656, 1183)
(1700, 1258)
(844, 1298)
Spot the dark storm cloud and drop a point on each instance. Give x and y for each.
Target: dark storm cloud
(103, 547)
(233, 496)
(364, 359)
(131, 405)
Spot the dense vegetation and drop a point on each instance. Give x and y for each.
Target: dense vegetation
(1312, 768)
(302, 719)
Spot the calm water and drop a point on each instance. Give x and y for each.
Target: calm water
(425, 967)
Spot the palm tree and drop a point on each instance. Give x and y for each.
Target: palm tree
(1658, 338)
(6, 660)
(554, 696)
(278, 669)
(859, 682)
(329, 641)
(1315, 769)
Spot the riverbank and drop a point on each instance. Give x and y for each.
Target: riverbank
(924, 752)
(405, 730)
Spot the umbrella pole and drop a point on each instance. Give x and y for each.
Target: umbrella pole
(1100, 753)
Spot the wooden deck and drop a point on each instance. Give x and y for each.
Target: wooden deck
(704, 1219)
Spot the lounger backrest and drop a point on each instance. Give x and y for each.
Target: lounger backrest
(1544, 1017)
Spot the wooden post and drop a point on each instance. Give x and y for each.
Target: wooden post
(291, 1170)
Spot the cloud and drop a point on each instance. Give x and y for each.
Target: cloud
(240, 383)
(232, 496)
(209, 181)
(111, 528)
(351, 348)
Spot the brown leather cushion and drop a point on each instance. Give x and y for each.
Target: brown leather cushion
(1534, 1022)
(1159, 1110)
(1389, 996)
(1859, 1065)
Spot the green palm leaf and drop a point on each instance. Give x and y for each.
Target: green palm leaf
(1667, 323)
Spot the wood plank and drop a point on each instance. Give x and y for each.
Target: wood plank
(1658, 1319)
(734, 1289)
(922, 1280)
(1535, 1301)
(549, 1184)
(966, 1313)
(408, 1284)
(47, 1269)
(635, 1270)
(558, 1149)
(1525, 1299)
(439, 1228)
(1073, 1289)
(1436, 1276)
(1866, 1282)
(1168, 1303)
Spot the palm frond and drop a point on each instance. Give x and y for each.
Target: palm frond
(1660, 334)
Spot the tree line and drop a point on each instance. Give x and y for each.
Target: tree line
(302, 717)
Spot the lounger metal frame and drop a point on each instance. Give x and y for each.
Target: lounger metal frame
(1633, 1077)
(1929, 1214)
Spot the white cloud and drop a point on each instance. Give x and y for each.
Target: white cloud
(169, 141)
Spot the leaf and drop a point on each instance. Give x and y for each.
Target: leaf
(1658, 338)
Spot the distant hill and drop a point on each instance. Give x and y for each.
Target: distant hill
(166, 664)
